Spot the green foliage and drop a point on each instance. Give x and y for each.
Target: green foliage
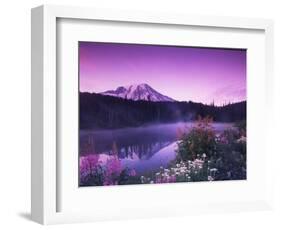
(199, 140)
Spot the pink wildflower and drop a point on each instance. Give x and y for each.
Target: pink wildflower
(113, 170)
(133, 172)
(88, 165)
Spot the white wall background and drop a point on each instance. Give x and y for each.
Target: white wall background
(15, 112)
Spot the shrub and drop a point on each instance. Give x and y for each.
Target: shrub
(199, 140)
(232, 156)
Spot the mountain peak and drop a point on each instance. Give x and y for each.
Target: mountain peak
(137, 92)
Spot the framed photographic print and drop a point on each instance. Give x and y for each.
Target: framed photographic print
(134, 134)
(138, 114)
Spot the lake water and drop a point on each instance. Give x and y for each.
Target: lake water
(144, 149)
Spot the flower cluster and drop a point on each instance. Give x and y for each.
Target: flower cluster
(88, 165)
(196, 170)
(112, 171)
(95, 172)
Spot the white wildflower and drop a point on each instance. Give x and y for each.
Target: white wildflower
(242, 139)
(213, 170)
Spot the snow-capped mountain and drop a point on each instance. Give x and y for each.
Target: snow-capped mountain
(137, 92)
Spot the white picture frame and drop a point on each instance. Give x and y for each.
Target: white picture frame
(46, 165)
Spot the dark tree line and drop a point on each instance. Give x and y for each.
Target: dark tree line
(107, 112)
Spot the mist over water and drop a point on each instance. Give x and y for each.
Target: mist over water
(143, 148)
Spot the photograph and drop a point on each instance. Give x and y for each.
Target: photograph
(153, 114)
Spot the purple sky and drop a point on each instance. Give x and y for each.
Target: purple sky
(183, 73)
